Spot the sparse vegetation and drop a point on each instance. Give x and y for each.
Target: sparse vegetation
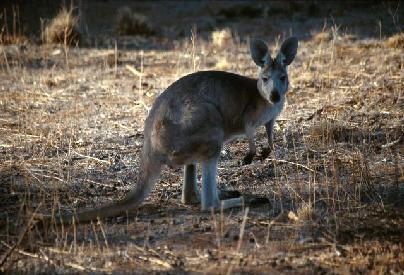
(11, 34)
(71, 138)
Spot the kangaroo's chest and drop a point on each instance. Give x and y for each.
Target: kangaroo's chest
(267, 114)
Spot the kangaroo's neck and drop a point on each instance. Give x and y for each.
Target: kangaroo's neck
(258, 110)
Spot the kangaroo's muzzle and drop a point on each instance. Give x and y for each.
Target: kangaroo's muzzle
(275, 97)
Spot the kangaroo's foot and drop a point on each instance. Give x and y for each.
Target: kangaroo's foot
(191, 198)
(231, 203)
(224, 204)
(265, 152)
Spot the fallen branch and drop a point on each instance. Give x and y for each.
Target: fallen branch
(92, 158)
(282, 161)
(294, 163)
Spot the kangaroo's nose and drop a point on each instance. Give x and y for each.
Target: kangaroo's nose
(275, 96)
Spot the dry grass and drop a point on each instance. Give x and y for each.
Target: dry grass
(322, 36)
(396, 41)
(222, 38)
(72, 138)
(6, 39)
(62, 29)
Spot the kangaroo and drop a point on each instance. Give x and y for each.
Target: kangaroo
(189, 122)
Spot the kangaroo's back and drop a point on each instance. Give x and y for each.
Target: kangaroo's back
(229, 94)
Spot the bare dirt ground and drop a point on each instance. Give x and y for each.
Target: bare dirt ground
(71, 122)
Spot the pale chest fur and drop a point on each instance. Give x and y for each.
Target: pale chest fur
(259, 119)
(266, 115)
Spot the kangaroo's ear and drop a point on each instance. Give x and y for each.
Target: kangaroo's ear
(259, 52)
(288, 50)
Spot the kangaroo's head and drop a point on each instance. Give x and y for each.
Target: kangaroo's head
(273, 76)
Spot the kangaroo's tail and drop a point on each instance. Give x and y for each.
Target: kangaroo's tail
(148, 175)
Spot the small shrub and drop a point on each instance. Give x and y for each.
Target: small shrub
(323, 36)
(130, 23)
(62, 29)
(396, 41)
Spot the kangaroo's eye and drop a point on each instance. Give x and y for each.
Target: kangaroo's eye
(264, 78)
(283, 78)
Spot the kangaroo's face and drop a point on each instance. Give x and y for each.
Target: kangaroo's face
(273, 78)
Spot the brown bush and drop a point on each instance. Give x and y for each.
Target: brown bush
(62, 29)
(323, 36)
(396, 41)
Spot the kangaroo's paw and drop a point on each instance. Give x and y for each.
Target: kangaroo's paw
(231, 203)
(248, 159)
(265, 152)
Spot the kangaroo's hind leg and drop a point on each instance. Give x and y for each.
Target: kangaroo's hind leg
(190, 192)
(210, 197)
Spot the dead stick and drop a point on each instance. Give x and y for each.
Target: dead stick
(294, 163)
(89, 157)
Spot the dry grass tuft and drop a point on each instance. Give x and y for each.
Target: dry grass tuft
(396, 41)
(325, 132)
(323, 36)
(6, 39)
(62, 29)
(222, 64)
(131, 23)
(222, 38)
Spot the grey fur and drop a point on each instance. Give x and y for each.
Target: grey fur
(194, 116)
(190, 193)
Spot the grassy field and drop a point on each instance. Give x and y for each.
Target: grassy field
(329, 200)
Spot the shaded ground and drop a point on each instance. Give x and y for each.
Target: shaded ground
(71, 122)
